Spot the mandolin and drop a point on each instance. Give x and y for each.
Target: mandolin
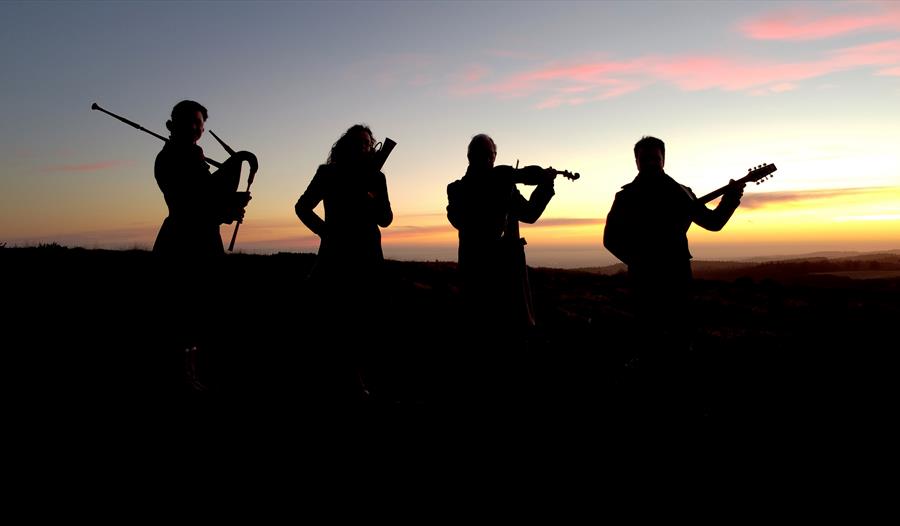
(756, 175)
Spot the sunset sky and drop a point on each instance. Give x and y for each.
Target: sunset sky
(813, 87)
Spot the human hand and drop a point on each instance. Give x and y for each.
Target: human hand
(734, 192)
(550, 174)
(235, 211)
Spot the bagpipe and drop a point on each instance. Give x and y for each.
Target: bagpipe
(232, 164)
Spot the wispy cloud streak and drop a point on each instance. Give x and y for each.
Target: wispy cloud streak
(751, 200)
(580, 82)
(812, 24)
(87, 167)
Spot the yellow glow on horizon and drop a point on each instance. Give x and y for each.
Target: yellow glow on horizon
(867, 215)
(877, 217)
(856, 217)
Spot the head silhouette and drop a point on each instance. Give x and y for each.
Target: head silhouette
(355, 145)
(186, 124)
(650, 155)
(482, 151)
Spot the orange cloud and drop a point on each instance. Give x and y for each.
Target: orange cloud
(568, 221)
(88, 167)
(807, 24)
(759, 200)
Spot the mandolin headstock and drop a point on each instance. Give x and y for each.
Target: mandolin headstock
(759, 174)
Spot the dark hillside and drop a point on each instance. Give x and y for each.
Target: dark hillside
(87, 327)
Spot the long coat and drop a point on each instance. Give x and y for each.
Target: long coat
(198, 202)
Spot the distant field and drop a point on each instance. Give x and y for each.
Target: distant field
(863, 274)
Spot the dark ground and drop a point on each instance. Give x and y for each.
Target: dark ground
(86, 330)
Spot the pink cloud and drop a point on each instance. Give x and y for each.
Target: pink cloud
(578, 83)
(891, 72)
(565, 97)
(808, 24)
(475, 73)
(388, 71)
(567, 84)
(88, 167)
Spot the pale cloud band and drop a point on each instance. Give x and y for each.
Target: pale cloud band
(88, 167)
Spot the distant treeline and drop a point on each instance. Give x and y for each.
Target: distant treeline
(793, 270)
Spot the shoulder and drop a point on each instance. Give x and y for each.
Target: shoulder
(324, 172)
(504, 173)
(180, 153)
(164, 154)
(455, 188)
(166, 161)
(684, 188)
(628, 189)
(629, 193)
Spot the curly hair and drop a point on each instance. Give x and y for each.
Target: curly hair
(341, 151)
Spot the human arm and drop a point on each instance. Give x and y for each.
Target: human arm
(455, 204)
(618, 237)
(380, 204)
(716, 219)
(305, 207)
(530, 211)
(526, 210)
